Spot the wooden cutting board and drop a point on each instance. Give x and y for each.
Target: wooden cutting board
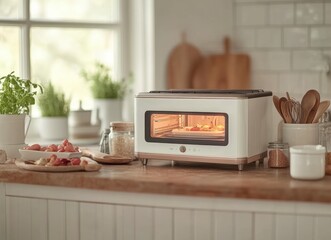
(223, 71)
(181, 63)
(104, 158)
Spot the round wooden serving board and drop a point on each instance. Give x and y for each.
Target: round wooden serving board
(90, 167)
(181, 63)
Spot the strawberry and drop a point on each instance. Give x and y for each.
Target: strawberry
(75, 161)
(53, 147)
(35, 147)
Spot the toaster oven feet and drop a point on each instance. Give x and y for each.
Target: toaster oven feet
(144, 161)
(241, 167)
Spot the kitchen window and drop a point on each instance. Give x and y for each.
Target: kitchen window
(54, 40)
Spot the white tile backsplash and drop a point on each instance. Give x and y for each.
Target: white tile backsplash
(326, 86)
(327, 13)
(245, 37)
(268, 38)
(290, 82)
(309, 13)
(320, 36)
(289, 42)
(258, 60)
(251, 14)
(295, 37)
(266, 81)
(307, 60)
(281, 14)
(271, 60)
(310, 80)
(278, 60)
(249, 1)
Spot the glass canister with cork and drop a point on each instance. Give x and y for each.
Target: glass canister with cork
(121, 139)
(278, 155)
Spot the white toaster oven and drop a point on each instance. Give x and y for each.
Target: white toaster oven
(214, 126)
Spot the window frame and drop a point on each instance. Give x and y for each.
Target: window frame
(26, 24)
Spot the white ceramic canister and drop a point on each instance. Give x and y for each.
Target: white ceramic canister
(307, 162)
(300, 134)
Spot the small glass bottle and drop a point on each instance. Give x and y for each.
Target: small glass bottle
(121, 139)
(325, 135)
(278, 155)
(104, 142)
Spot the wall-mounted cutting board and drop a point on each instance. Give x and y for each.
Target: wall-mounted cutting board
(181, 62)
(223, 71)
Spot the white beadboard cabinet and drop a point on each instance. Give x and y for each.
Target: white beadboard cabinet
(35, 212)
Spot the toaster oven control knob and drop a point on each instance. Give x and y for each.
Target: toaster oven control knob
(182, 149)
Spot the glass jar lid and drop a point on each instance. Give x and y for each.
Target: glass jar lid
(121, 126)
(277, 145)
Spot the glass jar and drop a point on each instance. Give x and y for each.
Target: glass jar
(325, 139)
(121, 139)
(278, 155)
(104, 142)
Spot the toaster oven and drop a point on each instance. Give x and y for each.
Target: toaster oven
(212, 126)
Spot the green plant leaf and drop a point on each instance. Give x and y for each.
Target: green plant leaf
(103, 85)
(53, 103)
(15, 94)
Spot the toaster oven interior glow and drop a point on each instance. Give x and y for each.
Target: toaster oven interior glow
(187, 127)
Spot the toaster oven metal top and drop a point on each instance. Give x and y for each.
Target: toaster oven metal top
(205, 93)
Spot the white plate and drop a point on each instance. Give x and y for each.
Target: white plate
(91, 166)
(35, 155)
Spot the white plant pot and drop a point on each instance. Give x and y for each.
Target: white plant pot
(53, 128)
(109, 110)
(13, 129)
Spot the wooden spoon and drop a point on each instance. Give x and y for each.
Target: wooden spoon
(281, 101)
(323, 106)
(313, 111)
(307, 103)
(277, 105)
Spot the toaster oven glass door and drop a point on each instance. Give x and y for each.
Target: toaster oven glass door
(202, 128)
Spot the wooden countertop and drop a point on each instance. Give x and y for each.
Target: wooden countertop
(190, 179)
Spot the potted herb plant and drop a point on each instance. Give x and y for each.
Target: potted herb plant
(54, 108)
(16, 97)
(107, 93)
